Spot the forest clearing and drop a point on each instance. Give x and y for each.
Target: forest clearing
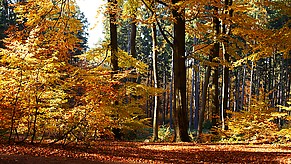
(141, 152)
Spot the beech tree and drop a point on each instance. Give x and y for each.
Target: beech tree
(113, 9)
(179, 68)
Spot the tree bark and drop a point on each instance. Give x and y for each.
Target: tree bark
(251, 87)
(236, 91)
(192, 97)
(225, 87)
(243, 88)
(204, 97)
(164, 97)
(179, 107)
(113, 35)
(156, 84)
(171, 94)
(197, 97)
(132, 38)
(215, 54)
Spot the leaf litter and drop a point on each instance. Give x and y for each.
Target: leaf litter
(140, 152)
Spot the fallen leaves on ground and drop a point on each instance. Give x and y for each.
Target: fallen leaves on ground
(139, 152)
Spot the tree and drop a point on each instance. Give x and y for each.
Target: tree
(215, 53)
(82, 46)
(156, 83)
(36, 55)
(226, 30)
(180, 107)
(130, 10)
(113, 9)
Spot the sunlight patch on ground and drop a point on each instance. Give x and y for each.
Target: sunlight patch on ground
(244, 148)
(284, 159)
(168, 147)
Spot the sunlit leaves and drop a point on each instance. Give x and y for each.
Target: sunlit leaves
(35, 68)
(257, 124)
(49, 25)
(100, 57)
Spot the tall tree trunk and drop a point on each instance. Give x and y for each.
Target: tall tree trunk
(148, 83)
(273, 82)
(132, 38)
(180, 106)
(243, 87)
(114, 50)
(283, 85)
(270, 79)
(197, 97)
(171, 93)
(288, 76)
(156, 84)
(204, 99)
(258, 87)
(113, 35)
(164, 97)
(251, 86)
(152, 98)
(215, 54)
(237, 90)
(225, 84)
(192, 97)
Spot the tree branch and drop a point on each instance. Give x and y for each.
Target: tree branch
(159, 25)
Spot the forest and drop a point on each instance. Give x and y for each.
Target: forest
(168, 72)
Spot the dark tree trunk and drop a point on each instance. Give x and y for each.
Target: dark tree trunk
(237, 90)
(215, 54)
(243, 87)
(273, 82)
(270, 80)
(180, 106)
(114, 48)
(197, 97)
(113, 35)
(132, 39)
(171, 95)
(164, 97)
(192, 97)
(204, 98)
(251, 86)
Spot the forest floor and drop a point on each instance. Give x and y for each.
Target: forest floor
(140, 152)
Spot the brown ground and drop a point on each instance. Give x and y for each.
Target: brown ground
(138, 152)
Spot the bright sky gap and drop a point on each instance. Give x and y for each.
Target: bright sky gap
(95, 30)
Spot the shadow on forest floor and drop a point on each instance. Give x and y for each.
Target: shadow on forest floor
(139, 152)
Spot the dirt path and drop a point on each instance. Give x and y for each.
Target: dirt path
(137, 152)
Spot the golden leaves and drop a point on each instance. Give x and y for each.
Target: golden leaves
(49, 26)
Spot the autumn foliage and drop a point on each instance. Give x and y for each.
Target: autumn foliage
(43, 96)
(210, 65)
